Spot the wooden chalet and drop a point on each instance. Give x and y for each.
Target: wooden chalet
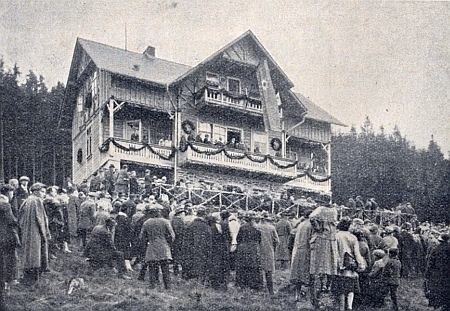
(135, 108)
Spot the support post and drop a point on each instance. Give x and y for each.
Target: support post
(111, 117)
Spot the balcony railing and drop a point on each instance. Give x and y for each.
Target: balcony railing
(221, 159)
(219, 97)
(307, 183)
(119, 151)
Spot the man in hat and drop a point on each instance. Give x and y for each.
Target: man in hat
(158, 235)
(35, 234)
(148, 183)
(8, 240)
(20, 194)
(282, 253)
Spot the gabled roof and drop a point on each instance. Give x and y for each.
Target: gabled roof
(247, 34)
(132, 64)
(314, 112)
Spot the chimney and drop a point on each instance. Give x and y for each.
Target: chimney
(150, 51)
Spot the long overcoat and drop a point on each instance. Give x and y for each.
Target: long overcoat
(301, 253)
(438, 276)
(324, 256)
(73, 209)
(269, 241)
(35, 233)
(284, 229)
(158, 234)
(197, 245)
(248, 253)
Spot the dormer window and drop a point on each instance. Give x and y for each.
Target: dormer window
(212, 79)
(234, 85)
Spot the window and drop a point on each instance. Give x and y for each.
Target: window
(234, 137)
(205, 129)
(212, 79)
(234, 85)
(259, 143)
(133, 130)
(88, 142)
(219, 134)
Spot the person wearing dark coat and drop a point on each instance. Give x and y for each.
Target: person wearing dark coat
(96, 182)
(179, 228)
(391, 275)
(248, 255)
(219, 265)
(134, 185)
(406, 246)
(437, 275)
(197, 246)
(55, 219)
(101, 250)
(8, 240)
(282, 253)
(122, 236)
(138, 247)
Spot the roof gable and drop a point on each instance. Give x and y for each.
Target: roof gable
(245, 49)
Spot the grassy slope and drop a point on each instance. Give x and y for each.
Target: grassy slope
(104, 291)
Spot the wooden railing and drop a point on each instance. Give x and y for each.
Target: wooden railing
(307, 183)
(216, 97)
(144, 155)
(191, 156)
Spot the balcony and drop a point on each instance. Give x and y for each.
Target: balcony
(120, 150)
(219, 97)
(192, 157)
(310, 185)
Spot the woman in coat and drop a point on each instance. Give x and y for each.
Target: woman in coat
(345, 283)
(269, 241)
(248, 255)
(301, 253)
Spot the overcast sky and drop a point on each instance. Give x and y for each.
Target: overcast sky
(388, 60)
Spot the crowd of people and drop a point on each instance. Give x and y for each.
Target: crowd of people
(360, 262)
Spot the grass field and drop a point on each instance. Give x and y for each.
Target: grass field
(104, 291)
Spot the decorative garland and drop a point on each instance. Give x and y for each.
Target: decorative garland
(275, 143)
(313, 178)
(105, 147)
(254, 158)
(188, 126)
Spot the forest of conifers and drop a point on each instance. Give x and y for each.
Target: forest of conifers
(365, 162)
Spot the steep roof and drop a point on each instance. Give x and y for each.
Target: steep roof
(248, 34)
(314, 112)
(132, 64)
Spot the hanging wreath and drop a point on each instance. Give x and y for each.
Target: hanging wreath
(187, 126)
(275, 143)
